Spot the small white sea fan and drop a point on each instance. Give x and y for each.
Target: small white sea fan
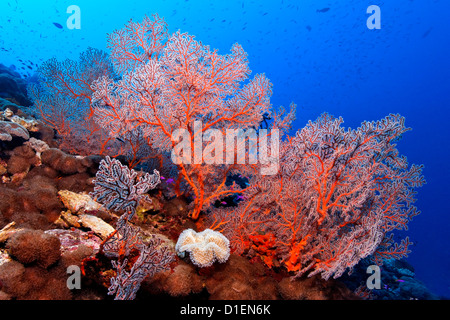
(204, 247)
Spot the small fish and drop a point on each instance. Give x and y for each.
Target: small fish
(309, 28)
(223, 202)
(427, 33)
(323, 10)
(400, 280)
(170, 180)
(162, 178)
(58, 25)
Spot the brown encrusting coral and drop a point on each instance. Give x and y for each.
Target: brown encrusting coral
(33, 263)
(34, 246)
(241, 279)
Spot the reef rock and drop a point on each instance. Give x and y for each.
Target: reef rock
(7, 231)
(73, 239)
(10, 129)
(100, 227)
(80, 206)
(79, 202)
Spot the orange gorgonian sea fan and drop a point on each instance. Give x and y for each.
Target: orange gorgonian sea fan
(171, 81)
(336, 199)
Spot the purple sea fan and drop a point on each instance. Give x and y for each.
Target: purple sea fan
(153, 258)
(119, 187)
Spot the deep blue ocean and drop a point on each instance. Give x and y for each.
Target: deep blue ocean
(319, 54)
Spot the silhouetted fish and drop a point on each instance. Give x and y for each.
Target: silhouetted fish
(427, 33)
(323, 10)
(58, 25)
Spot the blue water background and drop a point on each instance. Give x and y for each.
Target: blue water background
(323, 61)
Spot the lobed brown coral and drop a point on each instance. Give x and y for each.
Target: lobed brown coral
(64, 163)
(34, 246)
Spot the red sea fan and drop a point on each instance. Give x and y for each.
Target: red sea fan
(137, 43)
(336, 199)
(171, 82)
(62, 100)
